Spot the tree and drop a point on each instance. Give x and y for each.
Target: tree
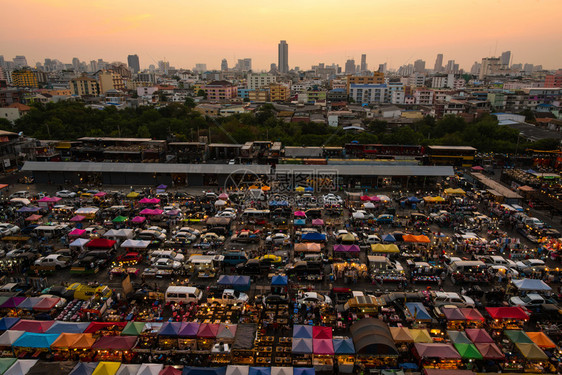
(202, 93)
(6, 125)
(189, 102)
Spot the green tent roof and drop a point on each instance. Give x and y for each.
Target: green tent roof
(468, 351)
(517, 337)
(120, 219)
(6, 363)
(133, 329)
(458, 337)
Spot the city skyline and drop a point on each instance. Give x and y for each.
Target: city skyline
(463, 32)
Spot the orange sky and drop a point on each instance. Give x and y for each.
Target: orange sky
(186, 32)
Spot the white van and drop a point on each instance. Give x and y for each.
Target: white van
(183, 294)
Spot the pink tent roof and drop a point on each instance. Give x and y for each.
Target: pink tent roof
(149, 201)
(478, 335)
(115, 343)
(46, 304)
(323, 346)
(78, 218)
(223, 196)
(49, 199)
(148, 211)
(489, 351)
(436, 350)
(317, 222)
(321, 332)
(300, 214)
(33, 218)
(100, 194)
(33, 326)
(138, 219)
(374, 198)
(76, 232)
(208, 330)
(471, 313)
(347, 248)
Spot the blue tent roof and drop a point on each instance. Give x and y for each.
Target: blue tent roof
(531, 285)
(302, 346)
(299, 222)
(279, 280)
(7, 323)
(259, 371)
(84, 368)
(189, 370)
(388, 238)
(343, 346)
(308, 189)
(313, 236)
(283, 203)
(409, 366)
(304, 371)
(225, 279)
(170, 329)
(68, 327)
(418, 311)
(414, 200)
(35, 340)
(302, 332)
(234, 280)
(28, 303)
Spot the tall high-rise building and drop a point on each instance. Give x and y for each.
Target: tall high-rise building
(244, 65)
(20, 61)
(363, 63)
(224, 65)
(490, 65)
(451, 67)
(134, 63)
(2, 62)
(438, 63)
(419, 66)
(283, 57)
(350, 66)
(382, 68)
(163, 66)
(505, 59)
(76, 64)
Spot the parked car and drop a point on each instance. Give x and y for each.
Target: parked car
(278, 239)
(530, 300)
(65, 194)
(530, 265)
(166, 264)
(313, 297)
(7, 229)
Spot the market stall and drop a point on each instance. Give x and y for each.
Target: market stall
(168, 335)
(344, 354)
(114, 348)
(506, 318)
(33, 344)
(374, 344)
(438, 356)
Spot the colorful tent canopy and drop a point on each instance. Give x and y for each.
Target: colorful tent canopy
(46, 304)
(517, 336)
(226, 331)
(323, 346)
(531, 285)
(77, 218)
(33, 217)
(319, 332)
(115, 343)
(453, 313)
(12, 302)
(302, 346)
(388, 238)
(384, 248)
(35, 340)
(317, 222)
(314, 237)
(541, 339)
(21, 367)
(281, 370)
(259, 371)
(34, 326)
(6, 363)
(107, 368)
(458, 337)
(7, 322)
(101, 243)
(120, 219)
(68, 327)
(490, 351)
(237, 370)
(151, 212)
(507, 313)
(401, 334)
(471, 314)
(279, 280)
(84, 341)
(150, 369)
(133, 194)
(79, 242)
(28, 303)
(417, 239)
(347, 248)
(8, 338)
(208, 330)
(304, 371)
(343, 346)
(170, 370)
(468, 351)
(308, 247)
(149, 201)
(300, 214)
(84, 368)
(418, 311)
(189, 329)
(434, 350)
(299, 222)
(451, 191)
(133, 329)
(76, 232)
(128, 369)
(170, 329)
(135, 244)
(478, 335)
(138, 219)
(100, 194)
(65, 340)
(99, 326)
(421, 335)
(531, 352)
(302, 332)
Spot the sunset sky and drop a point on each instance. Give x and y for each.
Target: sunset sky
(186, 32)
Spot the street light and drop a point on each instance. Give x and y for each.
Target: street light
(517, 146)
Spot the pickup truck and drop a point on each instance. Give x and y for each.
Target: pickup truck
(229, 297)
(53, 262)
(245, 236)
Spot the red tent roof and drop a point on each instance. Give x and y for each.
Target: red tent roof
(489, 351)
(471, 313)
(323, 346)
(33, 326)
(115, 343)
(102, 243)
(208, 330)
(321, 333)
(478, 335)
(507, 313)
(170, 370)
(98, 326)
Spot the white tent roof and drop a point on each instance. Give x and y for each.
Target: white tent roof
(128, 370)
(237, 370)
(86, 210)
(21, 367)
(531, 284)
(119, 233)
(79, 242)
(8, 337)
(135, 244)
(281, 370)
(150, 369)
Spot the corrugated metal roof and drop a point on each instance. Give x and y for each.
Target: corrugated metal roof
(371, 170)
(143, 167)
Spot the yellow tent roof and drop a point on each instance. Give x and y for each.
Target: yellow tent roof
(106, 368)
(401, 334)
(421, 335)
(299, 189)
(133, 194)
(384, 248)
(451, 191)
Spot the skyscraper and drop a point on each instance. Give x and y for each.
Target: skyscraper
(505, 59)
(134, 64)
(350, 66)
(438, 63)
(224, 65)
(363, 63)
(283, 57)
(20, 61)
(76, 64)
(419, 66)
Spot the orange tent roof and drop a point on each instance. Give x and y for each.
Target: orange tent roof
(65, 340)
(542, 340)
(412, 238)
